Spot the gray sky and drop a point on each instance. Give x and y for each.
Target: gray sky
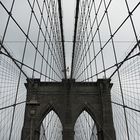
(68, 19)
(68, 6)
(117, 13)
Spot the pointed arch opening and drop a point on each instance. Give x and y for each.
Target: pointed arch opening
(85, 127)
(51, 127)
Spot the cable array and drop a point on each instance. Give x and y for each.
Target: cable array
(45, 58)
(99, 26)
(12, 99)
(126, 99)
(106, 44)
(31, 46)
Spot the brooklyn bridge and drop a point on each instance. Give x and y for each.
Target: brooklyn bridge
(69, 70)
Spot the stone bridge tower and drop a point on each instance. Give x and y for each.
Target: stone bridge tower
(68, 99)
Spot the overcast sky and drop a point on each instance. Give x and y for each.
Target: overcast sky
(68, 7)
(117, 13)
(21, 10)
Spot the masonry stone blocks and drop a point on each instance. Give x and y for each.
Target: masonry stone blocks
(68, 99)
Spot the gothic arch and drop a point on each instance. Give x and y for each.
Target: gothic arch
(68, 99)
(85, 122)
(45, 111)
(46, 129)
(88, 109)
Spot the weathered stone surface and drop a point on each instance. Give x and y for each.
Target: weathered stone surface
(68, 99)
